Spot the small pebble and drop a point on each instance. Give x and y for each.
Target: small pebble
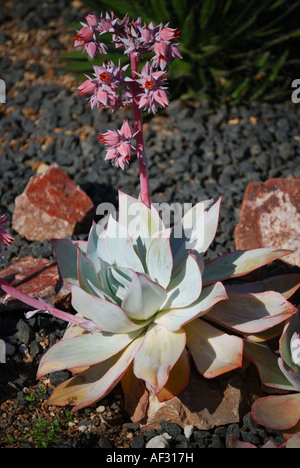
(82, 428)
(172, 428)
(158, 442)
(188, 431)
(9, 349)
(24, 350)
(100, 409)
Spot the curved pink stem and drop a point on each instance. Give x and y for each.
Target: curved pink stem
(42, 306)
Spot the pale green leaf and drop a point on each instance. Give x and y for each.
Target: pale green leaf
(158, 353)
(214, 352)
(144, 298)
(240, 263)
(109, 317)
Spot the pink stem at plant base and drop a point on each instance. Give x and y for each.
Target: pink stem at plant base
(138, 127)
(42, 306)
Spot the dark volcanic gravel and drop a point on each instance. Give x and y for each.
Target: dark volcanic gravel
(195, 153)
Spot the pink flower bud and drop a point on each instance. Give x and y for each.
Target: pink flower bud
(85, 34)
(111, 153)
(126, 130)
(88, 87)
(167, 34)
(91, 20)
(110, 138)
(91, 49)
(5, 238)
(119, 141)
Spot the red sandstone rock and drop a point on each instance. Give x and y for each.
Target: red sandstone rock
(207, 403)
(52, 206)
(36, 277)
(270, 217)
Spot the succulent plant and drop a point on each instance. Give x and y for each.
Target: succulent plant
(146, 301)
(145, 297)
(282, 373)
(292, 442)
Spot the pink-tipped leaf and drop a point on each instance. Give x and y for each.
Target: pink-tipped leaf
(252, 313)
(240, 263)
(214, 352)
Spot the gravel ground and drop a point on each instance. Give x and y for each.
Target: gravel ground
(195, 153)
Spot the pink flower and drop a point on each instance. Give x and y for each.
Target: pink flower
(105, 25)
(148, 33)
(108, 88)
(92, 20)
(113, 25)
(138, 38)
(154, 93)
(105, 74)
(86, 37)
(164, 53)
(119, 141)
(110, 138)
(167, 34)
(4, 237)
(88, 87)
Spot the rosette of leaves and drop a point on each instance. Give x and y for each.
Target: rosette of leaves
(282, 373)
(146, 303)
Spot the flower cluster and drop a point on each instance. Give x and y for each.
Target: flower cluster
(120, 146)
(86, 37)
(153, 93)
(134, 37)
(5, 238)
(110, 87)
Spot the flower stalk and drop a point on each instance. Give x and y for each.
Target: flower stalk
(138, 126)
(110, 88)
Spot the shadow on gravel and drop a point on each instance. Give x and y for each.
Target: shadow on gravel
(100, 193)
(12, 378)
(15, 374)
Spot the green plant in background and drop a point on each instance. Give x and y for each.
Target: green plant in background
(30, 398)
(10, 440)
(233, 51)
(45, 432)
